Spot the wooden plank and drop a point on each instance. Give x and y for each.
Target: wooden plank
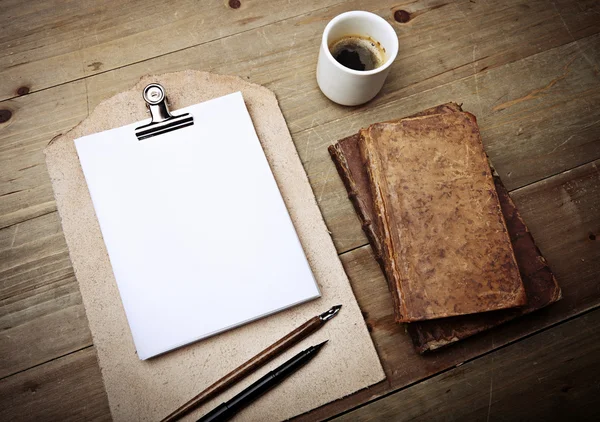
(523, 381)
(69, 388)
(580, 18)
(562, 213)
(53, 42)
(25, 189)
(42, 316)
(542, 122)
(565, 245)
(257, 54)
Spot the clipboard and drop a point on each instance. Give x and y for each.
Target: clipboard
(147, 390)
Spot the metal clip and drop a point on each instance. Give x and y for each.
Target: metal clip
(162, 120)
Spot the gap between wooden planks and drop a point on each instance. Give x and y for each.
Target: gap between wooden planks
(540, 138)
(526, 142)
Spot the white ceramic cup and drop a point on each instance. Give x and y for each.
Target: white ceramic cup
(346, 86)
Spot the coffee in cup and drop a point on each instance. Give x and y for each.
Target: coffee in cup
(358, 52)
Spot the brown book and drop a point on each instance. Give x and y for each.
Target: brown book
(347, 159)
(540, 284)
(444, 241)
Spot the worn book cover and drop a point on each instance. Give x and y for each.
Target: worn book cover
(444, 241)
(346, 157)
(540, 285)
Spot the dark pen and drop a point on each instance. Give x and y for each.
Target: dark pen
(228, 409)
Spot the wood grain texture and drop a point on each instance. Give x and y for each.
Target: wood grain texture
(522, 381)
(563, 214)
(69, 388)
(435, 49)
(427, 61)
(25, 189)
(88, 39)
(529, 70)
(538, 129)
(41, 316)
(53, 42)
(258, 54)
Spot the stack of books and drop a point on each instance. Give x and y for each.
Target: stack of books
(456, 254)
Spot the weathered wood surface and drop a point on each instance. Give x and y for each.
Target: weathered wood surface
(528, 69)
(50, 43)
(69, 388)
(282, 56)
(538, 131)
(42, 316)
(72, 40)
(552, 375)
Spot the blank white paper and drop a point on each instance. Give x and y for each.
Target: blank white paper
(198, 235)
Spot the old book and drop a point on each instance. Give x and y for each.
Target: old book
(443, 238)
(540, 285)
(346, 157)
(539, 282)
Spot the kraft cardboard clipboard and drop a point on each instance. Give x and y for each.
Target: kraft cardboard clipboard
(149, 390)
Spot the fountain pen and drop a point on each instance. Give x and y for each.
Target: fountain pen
(227, 410)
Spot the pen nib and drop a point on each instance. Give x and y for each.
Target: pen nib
(317, 347)
(326, 316)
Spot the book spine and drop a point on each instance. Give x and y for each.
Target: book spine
(387, 253)
(343, 170)
(367, 225)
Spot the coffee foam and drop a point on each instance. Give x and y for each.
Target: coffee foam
(358, 43)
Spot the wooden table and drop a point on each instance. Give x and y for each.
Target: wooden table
(529, 70)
